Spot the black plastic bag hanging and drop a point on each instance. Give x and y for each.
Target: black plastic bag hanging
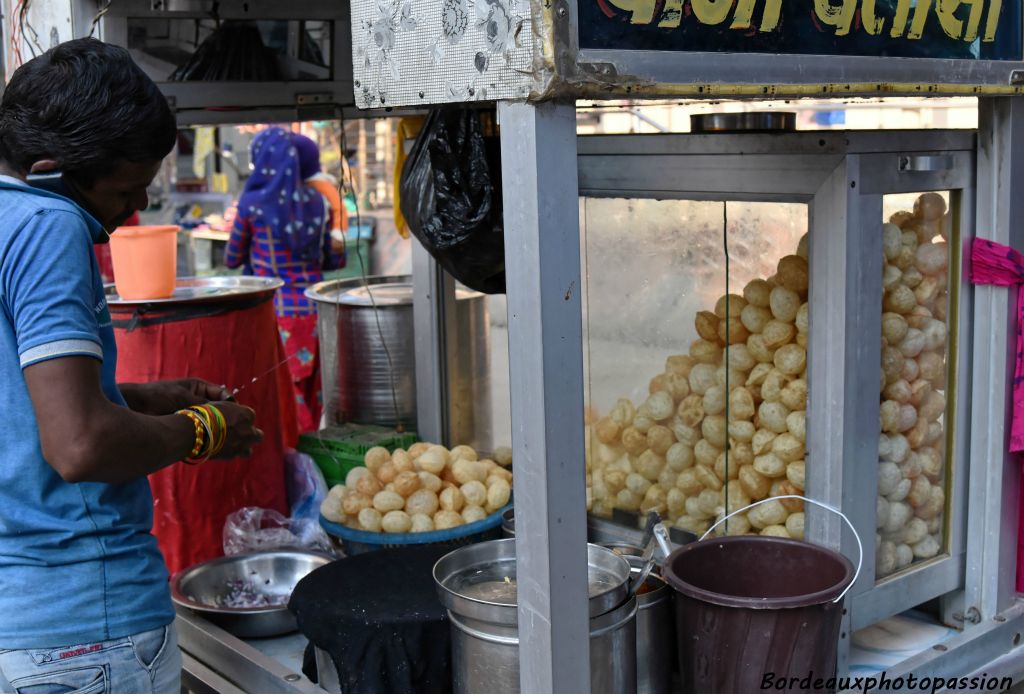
(451, 198)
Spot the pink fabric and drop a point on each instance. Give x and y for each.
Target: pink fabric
(1020, 541)
(993, 263)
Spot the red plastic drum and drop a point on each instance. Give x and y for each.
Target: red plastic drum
(225, 342)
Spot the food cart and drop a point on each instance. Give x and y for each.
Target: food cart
(560, 191)
(562, 194)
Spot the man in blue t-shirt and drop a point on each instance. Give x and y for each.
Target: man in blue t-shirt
(84, 603)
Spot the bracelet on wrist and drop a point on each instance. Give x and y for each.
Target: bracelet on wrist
(200, 452)
(217, 426)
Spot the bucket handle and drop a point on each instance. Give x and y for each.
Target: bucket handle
(856, 536)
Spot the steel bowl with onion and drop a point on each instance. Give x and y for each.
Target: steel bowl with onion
(219, 589)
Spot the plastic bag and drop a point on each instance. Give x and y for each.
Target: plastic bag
(451, 198)
(252, 529)
(306, 486)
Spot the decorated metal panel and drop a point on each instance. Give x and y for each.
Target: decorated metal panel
(418, 52)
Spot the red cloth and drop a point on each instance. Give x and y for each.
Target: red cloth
(994, 263)
(298, 333)
(192, 502)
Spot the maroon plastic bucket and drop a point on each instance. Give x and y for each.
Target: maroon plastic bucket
(754, 611)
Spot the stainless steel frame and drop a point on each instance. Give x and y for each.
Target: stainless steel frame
(994, 473)
(654, 73)
(842, 176)
(216, 661)
(542, 255)
(288, 99)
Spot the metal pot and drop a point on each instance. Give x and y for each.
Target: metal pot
(370, 381)
(655, 634)
(626, 549)
(484, 617)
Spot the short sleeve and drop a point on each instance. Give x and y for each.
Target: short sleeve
(48, 288)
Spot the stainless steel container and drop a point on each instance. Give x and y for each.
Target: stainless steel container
(508, 529)
(655, 635)
(370, 380)
(485, 637)
(203, 587)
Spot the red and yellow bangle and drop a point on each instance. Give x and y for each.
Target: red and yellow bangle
(211, 432)
(201, 433)
(216, 425)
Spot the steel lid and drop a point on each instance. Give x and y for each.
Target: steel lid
(377, 291)
(193, 290)
(485, 575)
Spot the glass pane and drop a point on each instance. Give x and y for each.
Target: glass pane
(481, 413)
(191, 49)
(916, 375)
(662, 432)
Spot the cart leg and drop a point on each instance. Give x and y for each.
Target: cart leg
(994, 476)
(542, 244)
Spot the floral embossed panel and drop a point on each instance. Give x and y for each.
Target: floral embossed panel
(418, 52)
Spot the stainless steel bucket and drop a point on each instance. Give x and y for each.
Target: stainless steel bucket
(485, 634)
(655, 635)
(370, 381)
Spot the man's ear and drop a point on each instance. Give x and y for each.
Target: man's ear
(44, 165)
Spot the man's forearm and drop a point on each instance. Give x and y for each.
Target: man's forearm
(128, 445)
(87, 438)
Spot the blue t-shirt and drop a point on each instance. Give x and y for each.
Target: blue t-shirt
(78, 562)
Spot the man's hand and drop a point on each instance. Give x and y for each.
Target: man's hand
(242, 431)
(167, 397)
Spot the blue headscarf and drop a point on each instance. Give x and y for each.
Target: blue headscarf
(276, 195)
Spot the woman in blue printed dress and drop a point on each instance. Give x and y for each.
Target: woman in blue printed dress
(282, 230)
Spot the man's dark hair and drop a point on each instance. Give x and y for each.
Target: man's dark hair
(87, 105)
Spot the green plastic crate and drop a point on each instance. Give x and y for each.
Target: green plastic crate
(336, 450)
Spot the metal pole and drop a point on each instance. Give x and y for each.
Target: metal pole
(433, 308)
(994, 482)
(542, 260)
(842, 424)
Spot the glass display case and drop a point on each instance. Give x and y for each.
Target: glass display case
(776, 316)
(239, 61)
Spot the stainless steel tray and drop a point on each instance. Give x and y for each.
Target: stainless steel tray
(192, 290)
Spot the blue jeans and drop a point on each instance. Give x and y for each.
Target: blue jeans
(146, 663)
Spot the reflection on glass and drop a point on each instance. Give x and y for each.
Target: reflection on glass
(670, 428)
(206, 49)
(912, 447)
(501, 404)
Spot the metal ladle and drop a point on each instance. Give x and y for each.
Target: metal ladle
(655, 538)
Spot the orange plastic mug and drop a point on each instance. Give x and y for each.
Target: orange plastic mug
(145, 261)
